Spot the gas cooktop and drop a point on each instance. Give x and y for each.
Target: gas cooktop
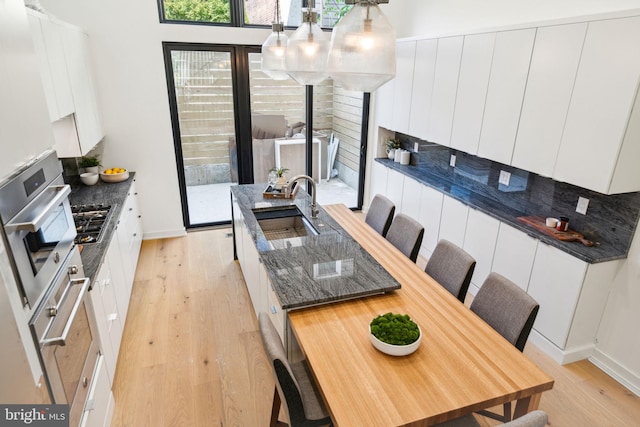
(90, 221)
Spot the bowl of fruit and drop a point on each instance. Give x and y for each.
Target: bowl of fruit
(114, 175)
(395, 334)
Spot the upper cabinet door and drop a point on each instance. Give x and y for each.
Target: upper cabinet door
(475, 69)
(554, 64)
(77, 54)
(384, 104)
(405, 52)
(58, 67)
(445, 85)
(423, 72)
(507, 83)
(600, 110)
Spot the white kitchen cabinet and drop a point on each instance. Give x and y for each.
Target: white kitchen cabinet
(87, 119)
(599, 148)
(514, 255)
(378, 180)
(423, 75)
(430, 212)
(410, 198)
(273, 308)
(556, 281)
(453, 220)
(395, 186)
(25, 129)
(251, 270)
(52, 64)
(445, 85)
(98, 410)
(384, 98)
(118, 278)
(405, 56)
(480, 242)
(556, 55)
(129, 232)
(105, 307)
(509, 70)
(475, 68)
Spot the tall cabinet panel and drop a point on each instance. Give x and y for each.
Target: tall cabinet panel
(423, 74)
(475, 69)
(384, 104)
(554, 64)
(603, 98)
(405, 53)
(445, 85)
(25, 127)
(509, 71)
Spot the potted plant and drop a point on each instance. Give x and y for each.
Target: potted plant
(280, 176)
(90, 163)
(392, 145)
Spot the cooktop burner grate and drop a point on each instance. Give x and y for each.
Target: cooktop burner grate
(90, 221)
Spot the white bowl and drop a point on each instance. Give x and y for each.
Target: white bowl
(114, 177)
(89, 178)
(395, 350)
(551, 222)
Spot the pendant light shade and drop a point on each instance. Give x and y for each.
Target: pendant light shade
(273, 53)
(307, 51)
(363, 49)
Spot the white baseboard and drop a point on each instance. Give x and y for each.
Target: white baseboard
(167, 234)
(616, 371)
(560, 356)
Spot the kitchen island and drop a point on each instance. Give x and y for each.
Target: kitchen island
(306, 270)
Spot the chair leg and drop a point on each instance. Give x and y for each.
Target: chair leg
(275, 411)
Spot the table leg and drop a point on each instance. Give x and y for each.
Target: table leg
(527, 404)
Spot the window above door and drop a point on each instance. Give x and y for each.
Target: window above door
(247, 13)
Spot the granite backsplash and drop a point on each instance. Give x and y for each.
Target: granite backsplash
(610, 219)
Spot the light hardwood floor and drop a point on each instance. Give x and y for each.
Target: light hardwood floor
(191, 353)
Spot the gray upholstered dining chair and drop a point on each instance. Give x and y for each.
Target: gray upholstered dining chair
(536, 418)
(380, 214)
(452, 267)
(294, 385)
(510, 311)
(406, 234)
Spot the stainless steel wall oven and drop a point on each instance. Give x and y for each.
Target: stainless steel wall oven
(39, 229)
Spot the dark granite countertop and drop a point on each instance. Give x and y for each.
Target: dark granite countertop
(302, 270)
(113, 194)
(592, 255)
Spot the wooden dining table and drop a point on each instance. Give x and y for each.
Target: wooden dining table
(461, 366)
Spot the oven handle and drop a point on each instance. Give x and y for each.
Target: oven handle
(61, 340)
(34, 226)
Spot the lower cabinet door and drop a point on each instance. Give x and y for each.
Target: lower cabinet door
(480, 243)
(98, 409)
(514, 254)
(453, 221)
(430, 211)
(556, 282)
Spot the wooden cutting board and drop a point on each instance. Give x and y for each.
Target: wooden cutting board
(566, 236)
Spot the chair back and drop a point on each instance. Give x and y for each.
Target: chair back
(452, 267)
(535, 418)
(298, 392)
(406, 234)
(507, 308)
(380, 214)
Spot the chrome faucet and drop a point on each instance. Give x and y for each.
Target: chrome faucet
(288, 193)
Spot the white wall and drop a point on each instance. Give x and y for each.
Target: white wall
(436, 17)
(126, 42)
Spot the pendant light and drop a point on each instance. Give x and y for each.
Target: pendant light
(274, 48)
(306, 55)
(362, 56)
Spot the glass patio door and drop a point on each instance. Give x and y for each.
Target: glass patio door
(201, 81)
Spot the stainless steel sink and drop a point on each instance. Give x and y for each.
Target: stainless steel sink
(283, 223)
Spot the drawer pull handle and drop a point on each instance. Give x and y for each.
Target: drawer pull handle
(274, 310)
